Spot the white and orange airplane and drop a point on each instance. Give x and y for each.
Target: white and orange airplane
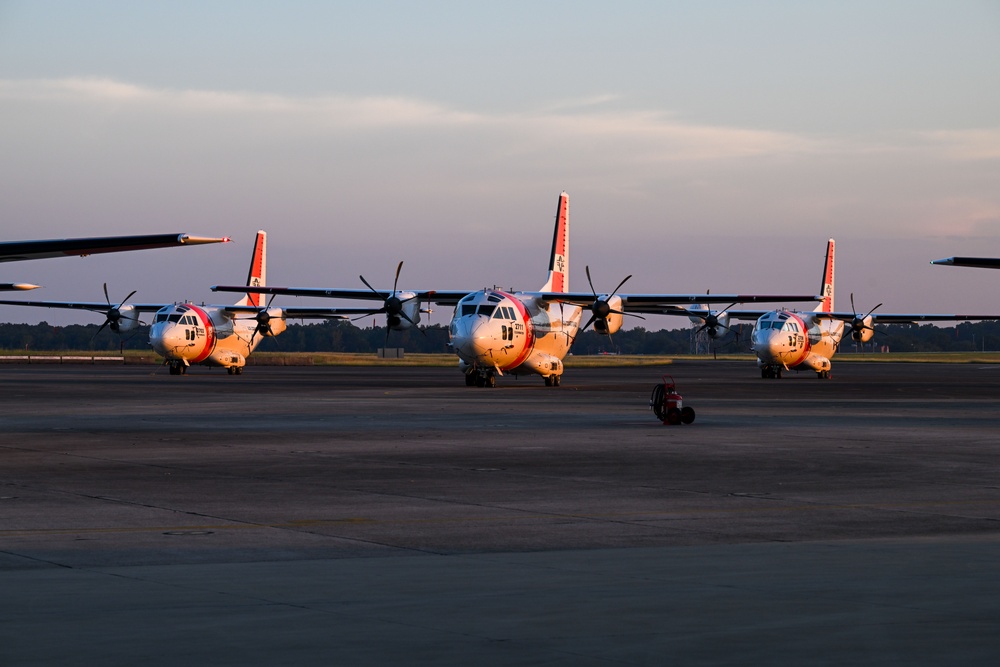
(496, 332)
(806, 341)
(17, 251)
(184, 333)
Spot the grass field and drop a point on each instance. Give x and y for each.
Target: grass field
(445, 360)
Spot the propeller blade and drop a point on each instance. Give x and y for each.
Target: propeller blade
(396, 281)
(593, 291)
(625, 280)
(377, 293)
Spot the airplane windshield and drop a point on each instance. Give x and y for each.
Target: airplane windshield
(468, 310)
(486, 310)
(175, 317)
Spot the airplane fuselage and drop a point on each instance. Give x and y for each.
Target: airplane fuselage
(501, 332)
(185, 334)
(785, 340)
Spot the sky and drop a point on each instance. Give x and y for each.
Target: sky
(704, 145)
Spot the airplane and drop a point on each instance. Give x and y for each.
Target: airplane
(977, 262)
(495, 332)
(184, 333)
(16, 251)
(803, 341)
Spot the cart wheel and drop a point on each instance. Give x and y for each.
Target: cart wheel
(687, 415)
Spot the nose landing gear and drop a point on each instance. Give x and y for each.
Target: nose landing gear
(481, 379)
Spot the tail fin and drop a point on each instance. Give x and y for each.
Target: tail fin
(559, 260)
(826, 290)
(258, 272)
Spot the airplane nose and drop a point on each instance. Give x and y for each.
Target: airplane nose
(767, 345)
(166, 340)
(470, 339)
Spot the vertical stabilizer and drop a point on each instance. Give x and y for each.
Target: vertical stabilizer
(559, 259)
(258, 272)
(826, 305)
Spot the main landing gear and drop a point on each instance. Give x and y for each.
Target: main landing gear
(553, 380)
(235, 370)
(823, 375)
(475, 379)
(177, 368)
(770, 373)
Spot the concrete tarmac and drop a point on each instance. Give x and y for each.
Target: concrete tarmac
(369, 516)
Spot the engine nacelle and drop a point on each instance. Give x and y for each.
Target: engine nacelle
(128, 320)
(276, 324)
(863, 334)
(613, 322)
(410, 306)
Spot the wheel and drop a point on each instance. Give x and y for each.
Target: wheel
(548, 380)
(764, 374)
(556, 380)
(777, 374)
(175, 369)
(239, 370)
(687, 415)
(231, 370)
(490, 381)
(480, 380)
(470, 379)
(673, 416)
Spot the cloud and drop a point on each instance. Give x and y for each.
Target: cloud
(648, 135)
(975, 144)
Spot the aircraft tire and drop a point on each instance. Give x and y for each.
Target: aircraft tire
(470, 379)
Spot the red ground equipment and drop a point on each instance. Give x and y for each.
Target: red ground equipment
(668, 405)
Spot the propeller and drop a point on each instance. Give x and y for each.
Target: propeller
(712, 323)
(858, 324)
(113, 315)
(392, 306)
(601, 309)
(263, 321)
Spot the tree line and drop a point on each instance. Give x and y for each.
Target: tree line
(341, 336)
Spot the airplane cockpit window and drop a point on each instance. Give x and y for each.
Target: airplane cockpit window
(486, 310)
(494, 298)
(500, 313)
(468, 309)
(175, 317)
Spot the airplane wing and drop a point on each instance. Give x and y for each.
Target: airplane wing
(95, 306)
(905, 318)
(749, 315)
(633, 303)
(664, 303)
(304, 313)
(15, 251)
(978, 262)
(438, 297)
